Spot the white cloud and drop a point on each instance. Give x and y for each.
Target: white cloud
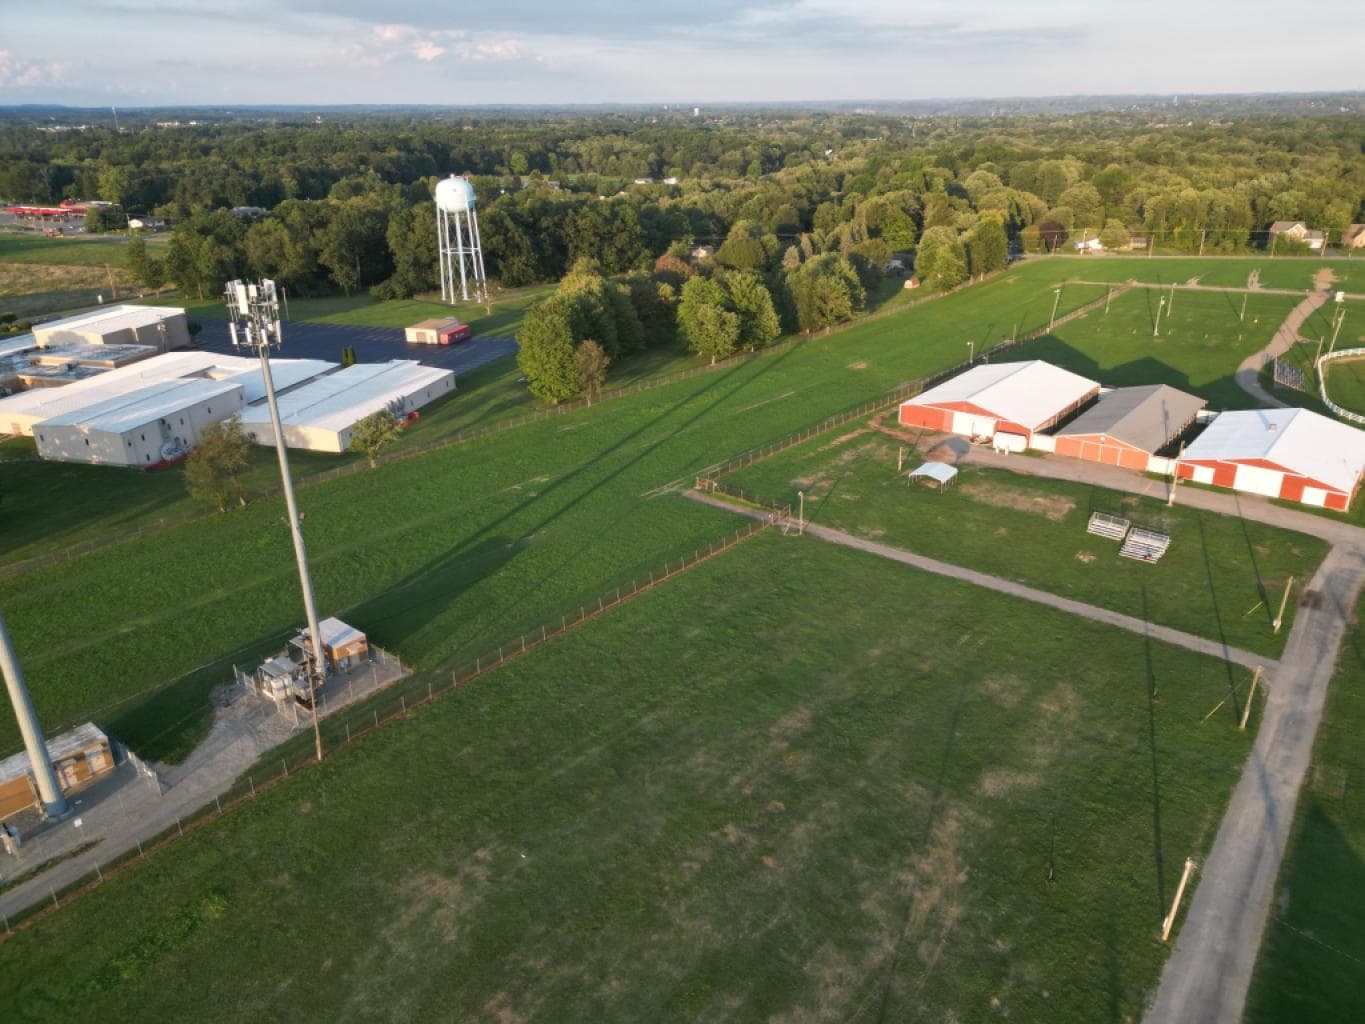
(427, 50)
(492, 50)
(17, 73)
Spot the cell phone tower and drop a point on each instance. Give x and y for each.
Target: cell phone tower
(457, 234)
(254, 323)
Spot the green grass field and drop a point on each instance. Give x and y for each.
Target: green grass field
(1346, 384)
(1200, 345)
(1033, 531)
(1224, 271)
(889, 809)
(465, 546)
(1310, 966)
(90, 251)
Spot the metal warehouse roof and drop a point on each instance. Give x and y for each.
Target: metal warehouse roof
(15, 344)
(1145, 417)
(286, 373)
(1028, 393)
(45, 403)
(114, 318)
(1297, 440)
(340, 400)
(146, 405)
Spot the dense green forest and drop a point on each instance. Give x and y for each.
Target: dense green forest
(801, 211)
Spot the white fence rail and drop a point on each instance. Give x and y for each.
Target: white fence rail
(1332, 357)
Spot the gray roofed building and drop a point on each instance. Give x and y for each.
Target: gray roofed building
(1147, 418)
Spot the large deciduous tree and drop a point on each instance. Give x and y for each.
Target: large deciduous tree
(213, 470)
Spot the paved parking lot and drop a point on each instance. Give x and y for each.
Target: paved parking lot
(371, 344)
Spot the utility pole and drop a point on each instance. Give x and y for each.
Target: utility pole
(49, 790)
(1175, 475)
(1156, 327)
(971, 352)
(1243, 314)
(255, 313)
(1170, 304)
(1057, 293)
(1284, 601)
(1340, 318)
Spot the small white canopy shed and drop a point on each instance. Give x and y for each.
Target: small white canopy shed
(939, 472)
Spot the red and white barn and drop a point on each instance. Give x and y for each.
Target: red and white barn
(1000, 398)
(1128, 426)
(1292, 454)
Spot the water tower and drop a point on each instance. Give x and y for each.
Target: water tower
(457, 231)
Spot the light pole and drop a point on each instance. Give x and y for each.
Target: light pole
(1057, 298)
(254, 312)
(971, 352)
(1341, 316)
(1156, 327)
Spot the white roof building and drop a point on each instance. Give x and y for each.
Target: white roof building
(1016, 398)
(162, 327)
(320, 415)
(19, 413)
(144, 427)
(1294, 454)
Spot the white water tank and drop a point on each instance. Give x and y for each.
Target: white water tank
(454, 195)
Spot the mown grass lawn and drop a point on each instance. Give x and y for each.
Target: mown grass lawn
(463, 547)
(796, 783)
(1310, 966)
(1200, 343)
(89, 251)
(1222, 577)
(1346, 384)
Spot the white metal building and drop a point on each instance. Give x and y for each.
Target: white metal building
(20, 413)
(1294, 454)
(1015, 399)
(162, 327)
(321, 414)
(144, 427)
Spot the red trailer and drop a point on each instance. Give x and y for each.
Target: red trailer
(454, 334)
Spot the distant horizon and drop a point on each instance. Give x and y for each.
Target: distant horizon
(686, 106)
(140, 53)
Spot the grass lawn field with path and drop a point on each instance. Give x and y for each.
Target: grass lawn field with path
(1034, 531)
(1199, 348)
(1314, 949)
(457, 549)
(795, 783)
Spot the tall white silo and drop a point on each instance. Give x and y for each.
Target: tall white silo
(457, 231)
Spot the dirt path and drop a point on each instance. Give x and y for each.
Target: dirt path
(1003, 586)
(1247, 374)
(1208, 974)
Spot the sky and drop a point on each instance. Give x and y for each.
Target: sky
(155, 52)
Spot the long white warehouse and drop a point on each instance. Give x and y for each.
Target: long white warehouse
(321, 414)
(162, 327)
(20, 413)
(151, 425)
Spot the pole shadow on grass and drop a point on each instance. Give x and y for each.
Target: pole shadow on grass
(428, 586)
(1217, 619)
(1158, 856)
(931, 814)
(1255, 565)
